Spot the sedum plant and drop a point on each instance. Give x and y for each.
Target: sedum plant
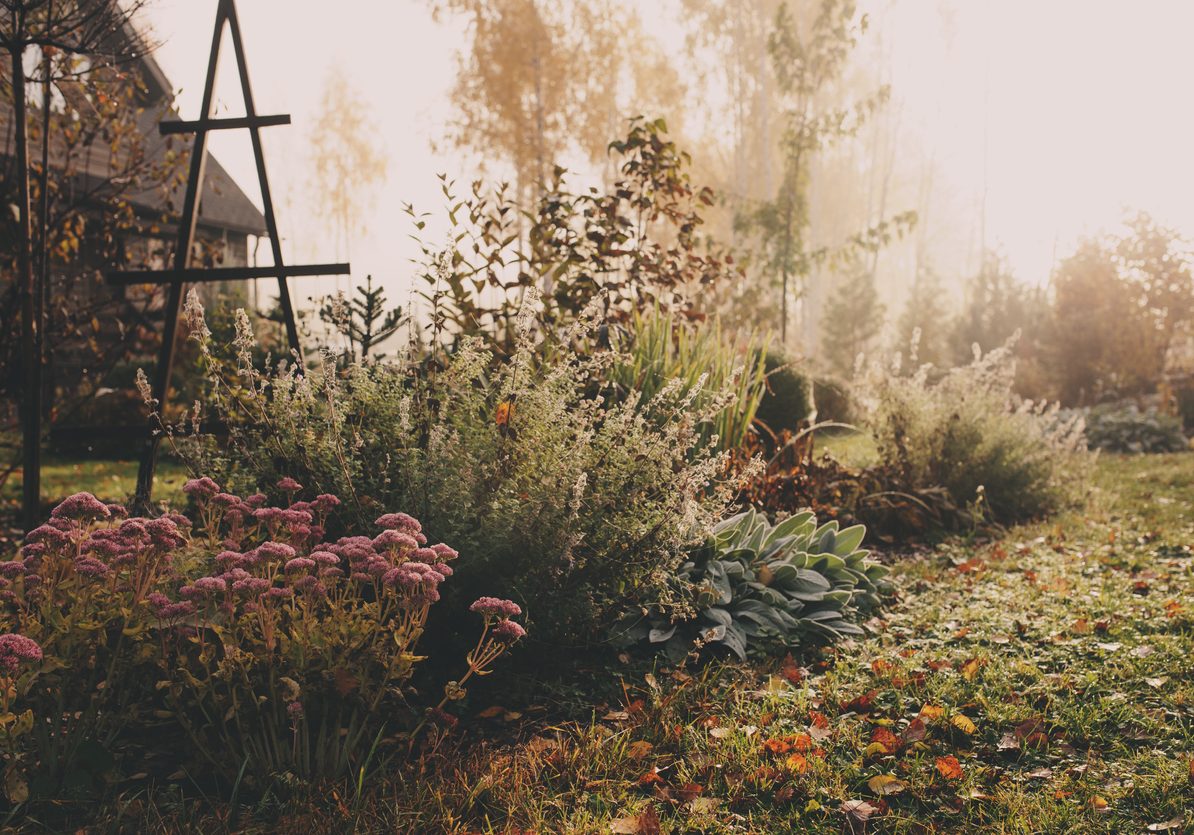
(761, 588)
(251, 644)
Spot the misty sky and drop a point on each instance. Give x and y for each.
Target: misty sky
(1082, 102)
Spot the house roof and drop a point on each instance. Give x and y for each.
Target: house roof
(224, 205)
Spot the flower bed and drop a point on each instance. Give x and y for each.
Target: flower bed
(252, 641)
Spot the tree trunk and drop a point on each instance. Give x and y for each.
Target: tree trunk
(31, 364)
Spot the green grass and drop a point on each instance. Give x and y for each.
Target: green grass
(852, 448)
(110, 480)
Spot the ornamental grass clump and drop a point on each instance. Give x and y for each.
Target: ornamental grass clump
(1004, 458)
(253, 644)
(572, 501)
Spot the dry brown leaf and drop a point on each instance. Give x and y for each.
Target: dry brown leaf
(639, 749)
(858, 810)
(885, 784)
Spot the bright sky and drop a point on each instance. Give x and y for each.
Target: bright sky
(1084, 104)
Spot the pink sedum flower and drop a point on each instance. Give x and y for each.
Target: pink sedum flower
(495, 607)
(17, 648)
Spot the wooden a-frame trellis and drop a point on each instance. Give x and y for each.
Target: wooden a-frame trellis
(182, 273)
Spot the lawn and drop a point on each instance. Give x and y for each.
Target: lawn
(110, 480)
(1037, 682)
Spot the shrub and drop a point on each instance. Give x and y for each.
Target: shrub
(788, 402)
(259, 645)
(1124, 427)
(761, 587)
(834, 401)
(968, 433)
(573, 504)
(659, 349)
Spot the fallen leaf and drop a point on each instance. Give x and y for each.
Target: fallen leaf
(932, 712)
(797, 763)
(639, 749)
(963, 723)
(1165, 826)
(970, 668)
(915, 731)
(949, 767)
(719, 733)
(625, 826)
(885, 738)
(703, 805)
(862, 704)
(1041, 774)
(858, 810)
(1098, 803)
(885, 784)
(1112, 646)
(616, 716)
(792, 672)
(648, 822)
(491, 712)
(1157, 682)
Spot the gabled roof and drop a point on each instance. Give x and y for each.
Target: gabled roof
(224, 206)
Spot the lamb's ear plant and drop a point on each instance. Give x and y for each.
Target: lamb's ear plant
(1126, 428)
(764, 588)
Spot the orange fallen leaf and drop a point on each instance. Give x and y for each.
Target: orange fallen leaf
(950, 768)
(791, 671)
(932, 712)
(887, 739)
(797, 763)
(777, 745)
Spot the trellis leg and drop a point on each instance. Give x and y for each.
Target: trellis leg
(182, 254)
(267, 202)
(178, 277)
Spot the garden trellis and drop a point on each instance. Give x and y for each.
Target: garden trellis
(182, 273)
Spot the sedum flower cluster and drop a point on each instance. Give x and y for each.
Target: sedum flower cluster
(257, 637)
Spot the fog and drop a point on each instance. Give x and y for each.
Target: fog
(1013, 126)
